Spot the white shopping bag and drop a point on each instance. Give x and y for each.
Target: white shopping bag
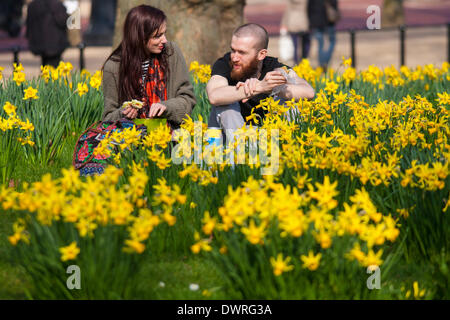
(286, 46)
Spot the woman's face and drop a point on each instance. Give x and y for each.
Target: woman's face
(157, 40)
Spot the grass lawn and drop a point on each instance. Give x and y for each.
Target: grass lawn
(165, 276)
(375, 174)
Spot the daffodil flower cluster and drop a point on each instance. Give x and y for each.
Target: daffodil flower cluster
(96, 80)
(82, 88)
(202, 176)
(349, 166)
(382, 133)
(201, 72)
(20, 233)
(13, 122)
(94, 203)
(258, 207)
(373, 75)
(62, 71)
(69, 252)
(166, 197)
(14, 133)
(124, 138)
(417, 293)
(305, 71)
(18, 74)
(30, 93)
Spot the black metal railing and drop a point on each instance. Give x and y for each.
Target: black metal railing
(402, 37)
(15, 50)
(81, 46)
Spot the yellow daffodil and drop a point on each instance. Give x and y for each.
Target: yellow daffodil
(349, 75)
(208, 223)
(331, 87)
(96, 80)
(64, 68)
(18, 67)
(311, 261)
(201, 72)
(70, 252)
(30, 93)
(201, 244)
(373, 259)
(254, 234)
(85, 73)
(19, 77)
(82, 89)
(346, 62)
(416, 292)
(45, 73)
(280, 265)
(19, 233)
(134, 246)
(9, 108)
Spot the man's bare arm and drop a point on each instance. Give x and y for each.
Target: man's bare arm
(221, 93)
(298, 90)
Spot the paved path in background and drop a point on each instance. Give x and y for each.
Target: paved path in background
(424, 45)
(353, 13)
(269, 15)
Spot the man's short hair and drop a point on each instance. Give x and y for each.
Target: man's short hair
(256, 31)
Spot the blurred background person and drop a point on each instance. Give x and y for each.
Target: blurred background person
(323, 16)
(295, 21)
(73, 32)
(100, 31)
(47, 30)
(11, 16)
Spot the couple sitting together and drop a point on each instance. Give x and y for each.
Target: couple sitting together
(151, 69)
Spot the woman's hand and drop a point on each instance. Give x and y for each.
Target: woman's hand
(130, 113)
(156, 110)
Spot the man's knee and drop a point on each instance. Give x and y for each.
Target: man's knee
(229, 117)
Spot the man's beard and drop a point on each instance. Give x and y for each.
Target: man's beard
(245, 72)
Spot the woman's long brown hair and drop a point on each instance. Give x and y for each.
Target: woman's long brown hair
(140, 24)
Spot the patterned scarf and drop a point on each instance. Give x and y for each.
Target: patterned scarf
(154, 87)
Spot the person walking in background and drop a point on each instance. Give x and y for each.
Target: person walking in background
(11, 16)
(295, 21)
(47, 30)
(323, 16)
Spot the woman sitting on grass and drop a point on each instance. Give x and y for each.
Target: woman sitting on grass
(147, 72)
(148, 68)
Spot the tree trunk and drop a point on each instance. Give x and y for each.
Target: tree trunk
(201, 28)
(392, 14)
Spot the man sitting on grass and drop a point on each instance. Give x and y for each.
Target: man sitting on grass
(247, 75)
